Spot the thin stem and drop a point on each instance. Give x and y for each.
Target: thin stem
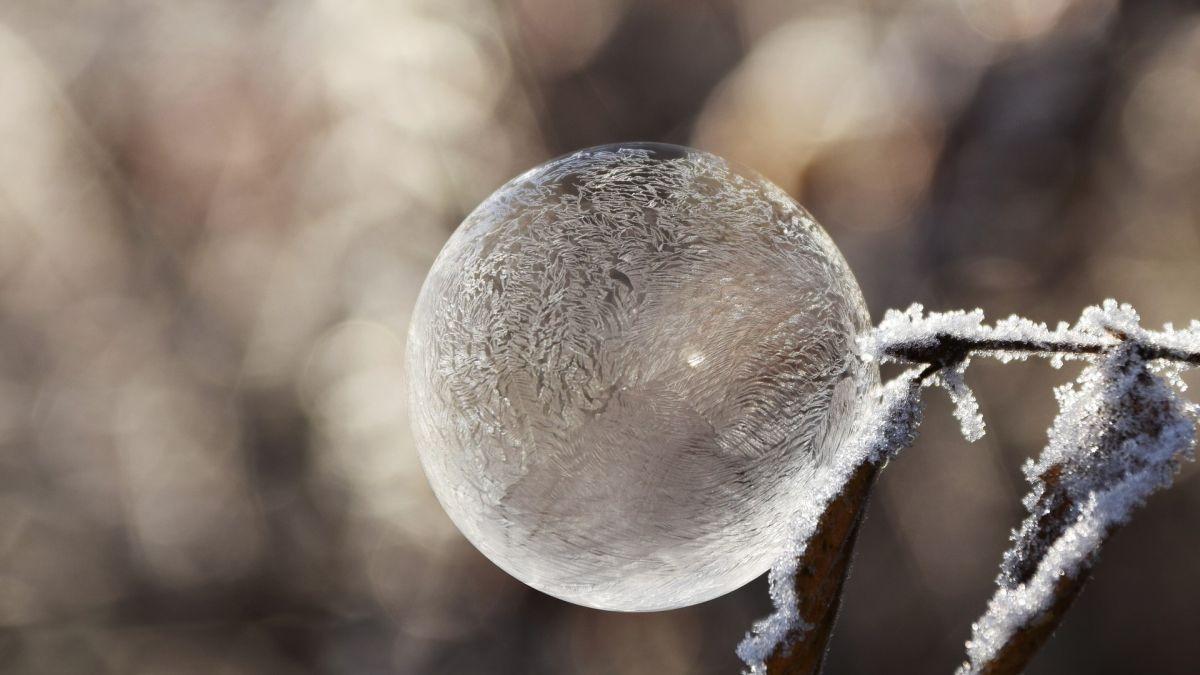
(946, 350)
(939, 345)
(820, 576)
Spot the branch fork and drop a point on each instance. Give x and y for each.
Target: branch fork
(1121, 434)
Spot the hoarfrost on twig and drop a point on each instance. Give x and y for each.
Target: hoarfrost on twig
(966, 407)
(888, 427)
(1120, 436)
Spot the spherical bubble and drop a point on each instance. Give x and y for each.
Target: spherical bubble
(627, 367)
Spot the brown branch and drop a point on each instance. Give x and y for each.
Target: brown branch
(808, 588)
(1058, 502)
(1029, 638)
(823, 567)
(1026, 640)
(820, 576)
(1103, 462)
(948, 350)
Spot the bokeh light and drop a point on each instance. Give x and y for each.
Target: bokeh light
(215, 217)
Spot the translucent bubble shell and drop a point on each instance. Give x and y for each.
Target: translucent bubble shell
(626, 369)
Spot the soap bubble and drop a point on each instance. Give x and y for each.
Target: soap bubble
(627, 368)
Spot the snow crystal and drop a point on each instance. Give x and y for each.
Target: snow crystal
(966, 407)
(903, 337)
(914, 328)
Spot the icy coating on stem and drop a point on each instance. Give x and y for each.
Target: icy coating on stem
(966, 407)
(1098, 330)
(627, 367)
(883, 430)
(1121, 435)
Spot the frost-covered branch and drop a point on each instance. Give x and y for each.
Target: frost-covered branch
(1120, 436)
(946, 339)
(806, 582)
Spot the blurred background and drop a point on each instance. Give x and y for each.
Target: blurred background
(215, 216)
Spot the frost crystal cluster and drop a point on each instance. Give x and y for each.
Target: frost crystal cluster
(630, 368)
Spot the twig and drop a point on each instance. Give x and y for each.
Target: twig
(944, 350)
(820, 575)
(1025, 641)
(1119, 437)
(807, 581)
(1101, 462)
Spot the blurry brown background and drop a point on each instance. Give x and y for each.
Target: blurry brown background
(214, 218)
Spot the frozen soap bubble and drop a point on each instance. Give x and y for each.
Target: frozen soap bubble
(627, 367)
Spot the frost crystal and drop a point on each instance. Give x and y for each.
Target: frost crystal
(882, 431)
(627, 367)
(913, 326)
(966, 408)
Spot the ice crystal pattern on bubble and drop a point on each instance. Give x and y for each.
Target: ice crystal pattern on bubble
(627, 366)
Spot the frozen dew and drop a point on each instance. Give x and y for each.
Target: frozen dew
(630, 369)
(966, 407)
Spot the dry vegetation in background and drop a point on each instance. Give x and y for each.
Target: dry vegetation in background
(214, 218)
